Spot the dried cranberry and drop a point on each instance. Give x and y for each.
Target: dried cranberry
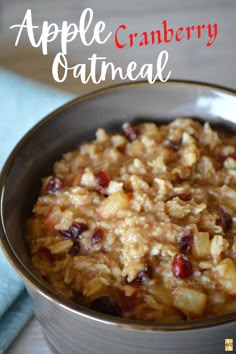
(55, 184)
(186, 242)
(76, 229)
(130, 131)
(143, 277)
(97, 236)
(232, 155)
(181, 266)
(175, 145)
(184, 196)
(106, 305)
(75, 248)
(129, 302)
(45, 254)
(225, 220)
(103, 178)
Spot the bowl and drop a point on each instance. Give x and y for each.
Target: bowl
(70, 328)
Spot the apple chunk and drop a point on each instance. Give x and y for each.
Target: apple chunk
(201, 245)
(189, 301)
(225, 273)
(113, 204)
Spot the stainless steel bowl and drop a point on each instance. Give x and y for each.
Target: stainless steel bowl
(73, 329)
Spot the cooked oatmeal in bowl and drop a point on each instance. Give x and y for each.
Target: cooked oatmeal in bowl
(140, 223)
(130, 246)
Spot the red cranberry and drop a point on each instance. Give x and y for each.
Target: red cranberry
(103, 178)
(186, 242)
(143, 277)
(130, 131)
(232, 155)
(105, 304)
(97, 236)
(181, 266)
(129, 302)
(76, 229)
(225, 220)
(75, 248)
(184, 196)
(55, 184)
(45, 254)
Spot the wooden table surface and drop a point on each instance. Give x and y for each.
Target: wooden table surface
(187, 59)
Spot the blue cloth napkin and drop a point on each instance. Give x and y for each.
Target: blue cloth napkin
(22, 104)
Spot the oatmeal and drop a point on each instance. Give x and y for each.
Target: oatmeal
(141, 223)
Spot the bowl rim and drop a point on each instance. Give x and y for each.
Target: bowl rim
(33, 282)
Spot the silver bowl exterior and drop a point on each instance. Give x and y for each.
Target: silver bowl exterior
(69, 328)
(66, 332)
